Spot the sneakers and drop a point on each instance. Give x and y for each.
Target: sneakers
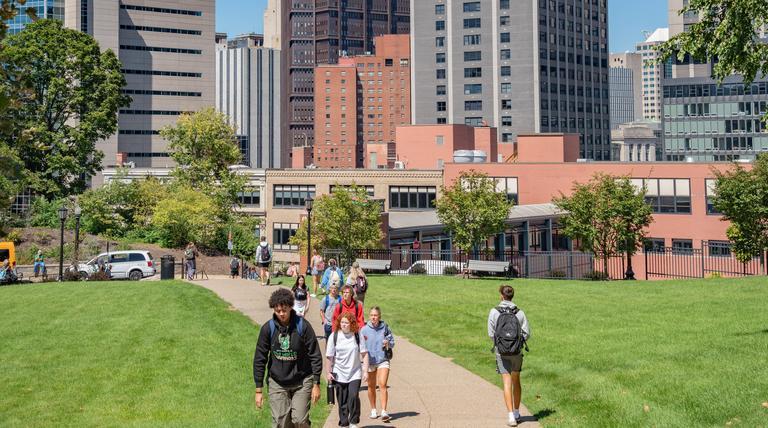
(512, 421)
(313, 295)
(374, 415)
(385, 416)
(353, 426)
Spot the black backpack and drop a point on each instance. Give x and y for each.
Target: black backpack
(361, 285)
(265, 255)
(508, 337)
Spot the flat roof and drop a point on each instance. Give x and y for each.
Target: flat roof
(425, 219)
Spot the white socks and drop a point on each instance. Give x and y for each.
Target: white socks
(516, 413)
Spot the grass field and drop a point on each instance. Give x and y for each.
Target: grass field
(667, 354)
(126, 354)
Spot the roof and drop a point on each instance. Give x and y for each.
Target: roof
(424, 219)
(660, 35)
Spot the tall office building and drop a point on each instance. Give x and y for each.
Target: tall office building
(167, 50)
(43, 9)
(248, 92)
(622, 96)
(314, 32)
(540, 66)
(272, 29)
(652, 73)
(358, 104)
(704, 120)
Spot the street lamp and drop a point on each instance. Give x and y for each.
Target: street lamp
(629, 274)
(308, 204)
(62, 217)
(78, 213)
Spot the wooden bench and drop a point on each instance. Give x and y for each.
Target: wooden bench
(376, 265)
(486, 266)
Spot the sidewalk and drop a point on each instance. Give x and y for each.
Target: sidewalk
(425, 390)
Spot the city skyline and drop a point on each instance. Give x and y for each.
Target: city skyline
(236, 17)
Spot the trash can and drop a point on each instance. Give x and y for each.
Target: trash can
(167, 267)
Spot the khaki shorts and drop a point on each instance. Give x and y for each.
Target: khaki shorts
(509, 363)
(373, 368)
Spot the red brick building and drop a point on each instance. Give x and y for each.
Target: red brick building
(358, 104)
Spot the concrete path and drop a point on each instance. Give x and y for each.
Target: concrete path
(425, 390)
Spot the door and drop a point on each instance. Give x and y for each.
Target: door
(119, 265)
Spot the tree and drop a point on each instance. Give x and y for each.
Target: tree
(184, 216)
(472, 210)
(72, 102)
(742, 197)
(606, 215)
(727, 31)
(347, 219)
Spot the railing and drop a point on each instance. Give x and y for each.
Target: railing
(712, 259)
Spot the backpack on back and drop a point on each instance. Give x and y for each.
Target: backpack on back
(361, 285)
(234, 264)
(508, 337)
(328, 300)
(264, 253)
(334, 277)
(189, 254)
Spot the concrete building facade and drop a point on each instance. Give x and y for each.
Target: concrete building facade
(358, 104)
(314, 33)
(622, 96)
(248, 92)
(535, 67)
(652, 75)
(167, 51)
(637, 142)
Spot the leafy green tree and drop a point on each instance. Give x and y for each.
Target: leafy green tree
(742, 197)
(607, 216)
(347, 219)
(726, 30)
(72, 103)
(184, 216)
(10, 179)
(472, 210)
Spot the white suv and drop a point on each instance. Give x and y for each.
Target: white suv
(132, 265)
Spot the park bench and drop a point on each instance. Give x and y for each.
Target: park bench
(486, 266)
(374, 265)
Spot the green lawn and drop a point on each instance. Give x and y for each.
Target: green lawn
(676, 353)
(126, 353)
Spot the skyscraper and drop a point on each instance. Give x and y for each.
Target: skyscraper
(248, 92)
(652, 73)
(535, 67)
(43, 9)
(622, 96)
(622, 65)
(314, 32)
(167, 49)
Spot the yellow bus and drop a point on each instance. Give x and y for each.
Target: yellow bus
(8, 252)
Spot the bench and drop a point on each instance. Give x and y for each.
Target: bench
(486, 266)
(376, 265)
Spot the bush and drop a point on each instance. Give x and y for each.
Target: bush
(557, 274)
(185, 216)
(418, 269)
(14, 236)
(714, 275)
(71, 275)
(596, 276)
(99, 276)
(450, 270)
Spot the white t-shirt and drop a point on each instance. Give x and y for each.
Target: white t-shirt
(347, 365)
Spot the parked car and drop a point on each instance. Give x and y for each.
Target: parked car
(132, 265)
(431, 267)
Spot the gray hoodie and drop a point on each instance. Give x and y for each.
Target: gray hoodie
(258, 252)
(494, 315)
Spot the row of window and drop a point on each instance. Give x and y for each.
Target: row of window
(138, 132)
(161, 10)
(164, 93)
(154, 112)
(685, 246)
(470, 6)
(162, 73)
(161, 49)
(160, 29)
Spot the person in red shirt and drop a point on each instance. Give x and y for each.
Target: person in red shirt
(349, 304)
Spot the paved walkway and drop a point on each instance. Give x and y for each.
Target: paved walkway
(426, 390)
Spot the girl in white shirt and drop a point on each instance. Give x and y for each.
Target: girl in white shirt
(347, 367)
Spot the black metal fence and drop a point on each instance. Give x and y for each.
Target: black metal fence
(714, 258)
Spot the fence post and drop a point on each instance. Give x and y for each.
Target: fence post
(703, 272)
(527, 264)
(645, 253)
(570, 265)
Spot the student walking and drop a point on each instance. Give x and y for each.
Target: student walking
(318, 266)
(301, 296)
(379, 342)
(263, 259)
(358, 281)
(509, 329)
(327, 308)
(234, 267)
(288, 353)
(347, 367)
(349, 304)
(332, 274)
(190, 257)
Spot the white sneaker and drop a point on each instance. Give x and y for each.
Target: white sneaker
(385, 416)
(353, 426)
(512, 421)
(374, 415)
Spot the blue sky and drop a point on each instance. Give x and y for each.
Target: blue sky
(627, 19)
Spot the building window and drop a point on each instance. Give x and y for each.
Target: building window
(473, 105)
(440, 73)
(506, 104)
(506, 70)
(710, 184)
(473, 6)
(504, 37)
(667, 195)
(653, 245)
(682, 246)
(719, 248)
(439, 42)
(439, 9)
(439, 140)
(504, 4)
(441, 106)
(472, 23)
(249, 199)
(440, 90)
(439, 25)
(368, 188)
(472, 56)
(292, 196)
(473, 88)
(506, 120)
(442, 121)
(471, 40)
(281, 235)
(506, 137)
(473, 121)
(505, 54)
(440, 57)
(506, 88)
(504, 20)
(412, 197)
(508, 186)
(473, 72)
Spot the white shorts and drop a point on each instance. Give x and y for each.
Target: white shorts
(384, 365)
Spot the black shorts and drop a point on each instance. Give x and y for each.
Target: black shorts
(264, 265)
(509, 364)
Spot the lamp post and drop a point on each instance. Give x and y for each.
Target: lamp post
(308, 204)
(62, 217)
(78, 213)
(629, 274)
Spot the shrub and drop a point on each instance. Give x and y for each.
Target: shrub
(418, 269)
(714, 275)
(185, 216)
(71, 275)
(596, 276)
(557, 274)
(14, 236)
(99, 276)
(450, 270)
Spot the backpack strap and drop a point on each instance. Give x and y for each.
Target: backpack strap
(272, 327)
(336, 337)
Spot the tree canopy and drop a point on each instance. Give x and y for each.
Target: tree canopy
(472, 210)
(741, 195)
(66, 96)
(607, 216)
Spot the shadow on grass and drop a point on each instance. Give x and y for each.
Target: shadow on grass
(541, 414)
(752, 333)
